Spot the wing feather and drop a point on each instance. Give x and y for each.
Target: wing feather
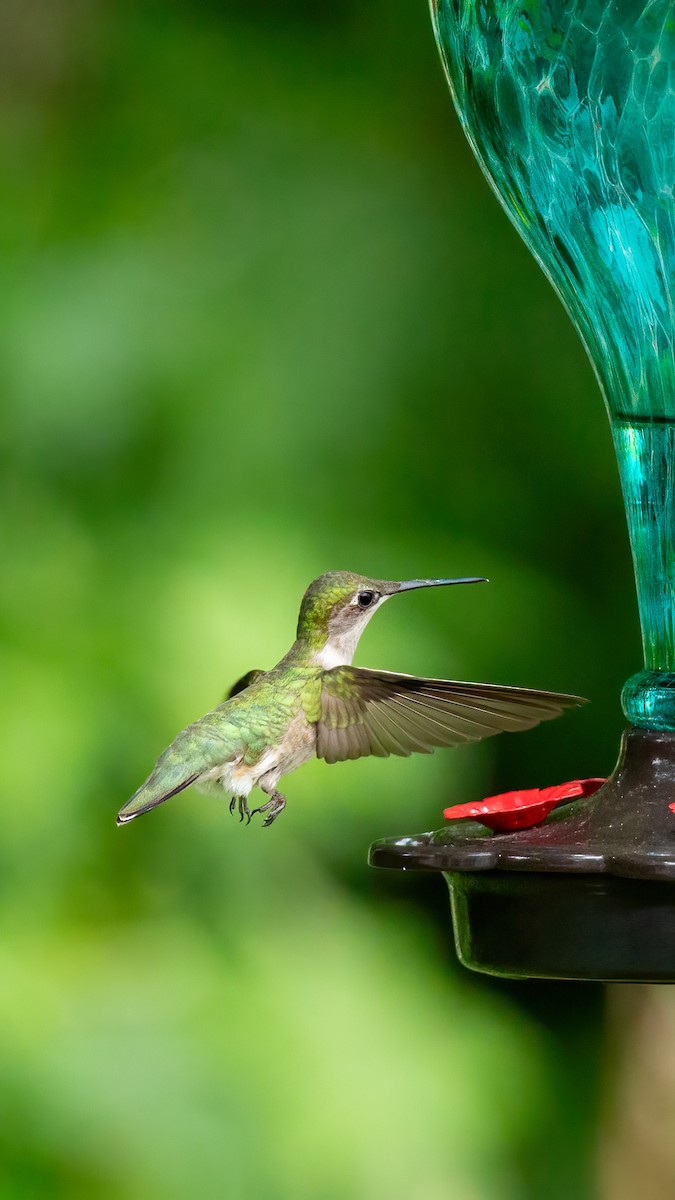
(377, 749)
(404, 733)
(448, 727)
(433, 724)
(242, 683)
(380, 713)
(376, 718)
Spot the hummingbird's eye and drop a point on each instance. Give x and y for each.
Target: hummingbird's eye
(365, 599)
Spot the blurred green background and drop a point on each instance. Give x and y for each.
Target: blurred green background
(261, 316)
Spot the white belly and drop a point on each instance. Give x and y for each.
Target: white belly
(235, 778)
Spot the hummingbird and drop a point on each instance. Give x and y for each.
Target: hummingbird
(314, 703)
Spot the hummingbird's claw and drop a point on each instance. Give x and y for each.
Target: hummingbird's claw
(275, 805)
(244, 810)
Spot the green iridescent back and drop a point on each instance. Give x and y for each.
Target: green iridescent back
(569, 106)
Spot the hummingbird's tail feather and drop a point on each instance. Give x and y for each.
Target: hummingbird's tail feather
(209, 742)
(157, 788)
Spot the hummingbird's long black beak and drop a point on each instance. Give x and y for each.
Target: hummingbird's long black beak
(408, 585)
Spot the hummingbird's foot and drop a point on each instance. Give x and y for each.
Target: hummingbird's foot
(275, 805)
(244, 810)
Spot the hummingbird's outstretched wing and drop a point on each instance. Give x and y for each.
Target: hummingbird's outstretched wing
(241, 684)
(377, 712)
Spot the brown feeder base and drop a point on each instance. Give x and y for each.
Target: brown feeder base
(588, 894)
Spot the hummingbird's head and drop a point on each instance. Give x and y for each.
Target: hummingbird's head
(337, 607)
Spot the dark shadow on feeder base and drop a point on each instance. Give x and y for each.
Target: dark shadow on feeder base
(590, 895)
(564, 926)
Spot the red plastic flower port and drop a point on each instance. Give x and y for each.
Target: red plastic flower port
(520, 810)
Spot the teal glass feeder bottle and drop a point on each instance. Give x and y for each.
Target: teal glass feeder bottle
(569, 107)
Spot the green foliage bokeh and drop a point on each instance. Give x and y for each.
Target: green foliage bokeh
(261, 316)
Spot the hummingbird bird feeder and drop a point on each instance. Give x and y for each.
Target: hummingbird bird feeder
(569, 107)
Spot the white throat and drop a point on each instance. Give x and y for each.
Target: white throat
(341, 646)
(338, 651)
